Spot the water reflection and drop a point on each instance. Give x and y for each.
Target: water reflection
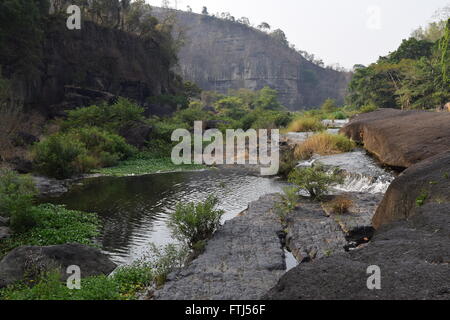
(134, 210)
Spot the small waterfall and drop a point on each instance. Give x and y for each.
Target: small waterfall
(361, 183)
(362, 173)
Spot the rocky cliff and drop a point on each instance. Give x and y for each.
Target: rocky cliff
(94, 65)
(221, 55)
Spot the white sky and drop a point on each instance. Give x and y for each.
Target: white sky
(338, 31)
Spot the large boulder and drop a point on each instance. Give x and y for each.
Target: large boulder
(427, 181)
(28, 262)
(401, 138)
(412, 255)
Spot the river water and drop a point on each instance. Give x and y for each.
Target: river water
(135, 210)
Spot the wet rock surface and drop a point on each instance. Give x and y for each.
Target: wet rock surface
(426, 182)
(29, 261)
(401, 138)
(311, 234)
(242, 261)
(413, 257)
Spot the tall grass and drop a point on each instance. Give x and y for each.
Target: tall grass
(324, 144)
(308, 124)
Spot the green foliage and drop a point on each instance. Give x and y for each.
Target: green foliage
(367, 108)
(329, 106)
(315, 180)
(108, 117)
(415, 76)
(51, 225)
(61, 157)
(268, 100)
(79, 151)
(16, 192)
(289, 200)
(21, 24)
(164, 260)
(192, 222)
(105, 147)
(124, 284)
(420, 201)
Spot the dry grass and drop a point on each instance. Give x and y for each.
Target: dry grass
(306, 125)
(324, 144)
(340, 205)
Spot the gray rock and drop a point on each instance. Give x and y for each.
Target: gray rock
(28, 262)
(312, 234)
(413, 257)
(5, 233)
(242, 261)
(223, 55)
(49, 187)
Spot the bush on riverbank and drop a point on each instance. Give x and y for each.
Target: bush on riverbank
(43, 224)
(79, 151)
(324, 144)
(315, 180)
(192, 223)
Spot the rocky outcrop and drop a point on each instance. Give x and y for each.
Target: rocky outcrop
(242, 261)
(401, 138)
(28, 262)
(96, 65)
(413, 257)
(425, 182)
(221, 55)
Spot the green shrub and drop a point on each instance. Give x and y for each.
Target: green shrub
(289, 200)
(316, 180)
(110, 118)
(107, 148)
(133, 278)
(192, 222)
(164, 260)
(16, 192)
(339, 115)
(60, 156)
(329, 106)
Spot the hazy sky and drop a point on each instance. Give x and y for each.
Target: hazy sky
(338, 31)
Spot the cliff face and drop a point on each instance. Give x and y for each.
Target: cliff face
(93, 65)
(221, 55)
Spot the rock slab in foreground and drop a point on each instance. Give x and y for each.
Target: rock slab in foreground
(414, 258)
(242, 261)
(427, 181)
(401, 138)
(31, 260)
(312, 234)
